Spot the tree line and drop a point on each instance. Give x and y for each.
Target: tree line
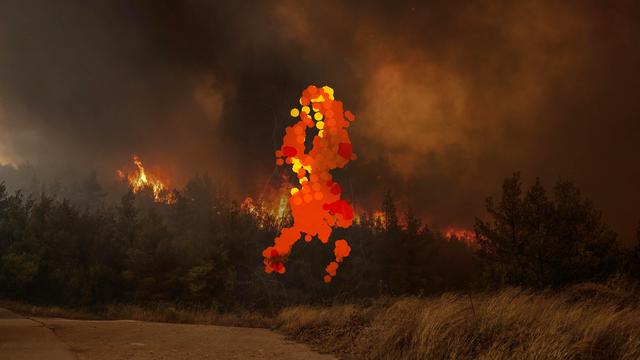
(205, 249)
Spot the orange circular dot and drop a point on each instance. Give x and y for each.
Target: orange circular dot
(279, 162)
(349, 115)
(308, 198)
(300, 139)
(318, 195)
(327, 279)
(298, 130)
(297, 200)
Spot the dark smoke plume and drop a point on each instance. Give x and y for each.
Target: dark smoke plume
(452, 96)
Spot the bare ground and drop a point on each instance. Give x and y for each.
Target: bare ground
(129, 339)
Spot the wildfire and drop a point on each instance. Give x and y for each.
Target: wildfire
(265, 214)
(140, 180)
(272, 205)
(379, 217)
(467, 236)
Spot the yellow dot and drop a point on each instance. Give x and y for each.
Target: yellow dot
(321, 133)
(306, 109)
(329, 91)
(303, 180)
(294, 112)
(294, 191)
(320, 125)
(317, 116)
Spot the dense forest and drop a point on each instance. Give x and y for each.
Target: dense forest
(204, 249)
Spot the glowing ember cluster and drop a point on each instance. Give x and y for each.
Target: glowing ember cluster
(140, 180)
(316, 204)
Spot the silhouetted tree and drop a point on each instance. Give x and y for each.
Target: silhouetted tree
(535, 241)
(205, 250)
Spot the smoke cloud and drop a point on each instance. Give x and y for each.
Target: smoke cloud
(478, 90)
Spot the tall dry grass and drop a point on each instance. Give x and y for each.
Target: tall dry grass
(588, 321)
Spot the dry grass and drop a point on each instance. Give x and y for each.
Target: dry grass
(584, 322)
(588, 321)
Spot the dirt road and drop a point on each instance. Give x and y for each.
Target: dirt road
(25, 339)
(61, 339)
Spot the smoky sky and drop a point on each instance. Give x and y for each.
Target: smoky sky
(451, 96)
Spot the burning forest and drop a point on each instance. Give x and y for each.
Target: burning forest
(140, 179)
(203, 162)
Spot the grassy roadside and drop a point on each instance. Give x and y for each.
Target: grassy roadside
(156, 313)
(587, 321)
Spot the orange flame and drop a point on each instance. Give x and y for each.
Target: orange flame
(266, 214)
(140, 179)
(464, 235)
(316, 205)
(379, 218)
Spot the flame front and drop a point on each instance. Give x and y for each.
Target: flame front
(464, 235)
(316, 204)
(264, 214)
(140, 180)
